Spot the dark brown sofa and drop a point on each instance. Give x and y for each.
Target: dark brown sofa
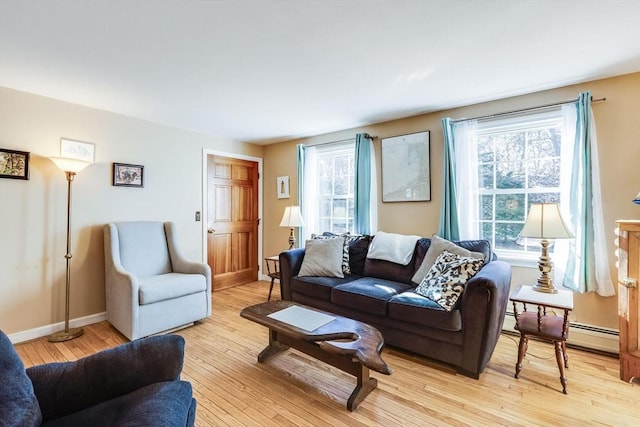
(380, 293)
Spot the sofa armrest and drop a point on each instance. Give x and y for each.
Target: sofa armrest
(65, 388)
(290, 263)
(484, 304)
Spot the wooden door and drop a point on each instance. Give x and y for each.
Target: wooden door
(232, 223)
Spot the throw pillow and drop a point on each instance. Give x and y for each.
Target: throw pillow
(346, 269)
(322, 258)
(437, 246)
(445, 280)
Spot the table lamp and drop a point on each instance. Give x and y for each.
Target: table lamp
(70, 167)
(292, 218)
(545, 222)
(637, 199)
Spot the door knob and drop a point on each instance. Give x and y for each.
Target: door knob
(210, 230)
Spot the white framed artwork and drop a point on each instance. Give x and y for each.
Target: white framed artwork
(283, 187)
(78, 150)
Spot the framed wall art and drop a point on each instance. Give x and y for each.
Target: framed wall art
(14, 164)
(406, 168)
(283, 187)
(79, 150)
(126, 175)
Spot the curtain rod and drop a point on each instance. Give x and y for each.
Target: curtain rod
(522, 110)
(366, 135)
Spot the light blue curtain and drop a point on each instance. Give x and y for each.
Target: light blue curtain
(449, 226)
(587, 264)
(301, 165)
(362, 196)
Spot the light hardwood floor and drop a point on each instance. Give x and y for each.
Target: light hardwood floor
(292, 389)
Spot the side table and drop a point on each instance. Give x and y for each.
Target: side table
(542, 325)
(273, 271)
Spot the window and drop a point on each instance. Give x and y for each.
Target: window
(336, 183)
(520, 161)
(328, 195)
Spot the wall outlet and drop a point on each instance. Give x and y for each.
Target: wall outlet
(197, 215)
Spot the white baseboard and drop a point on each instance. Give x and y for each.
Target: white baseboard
(593, 337)
(43, 331)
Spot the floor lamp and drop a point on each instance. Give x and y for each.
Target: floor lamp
(70, 167)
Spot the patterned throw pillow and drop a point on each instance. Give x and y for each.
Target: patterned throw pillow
(445, 280)
(346, 269)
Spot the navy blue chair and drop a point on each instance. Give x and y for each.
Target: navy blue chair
(134, 384)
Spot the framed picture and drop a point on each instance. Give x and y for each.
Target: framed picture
(283, 187)
(126, 175)
(78, 150)
(405, 168)
(14, 164)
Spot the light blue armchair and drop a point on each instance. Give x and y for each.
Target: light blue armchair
(150, 287)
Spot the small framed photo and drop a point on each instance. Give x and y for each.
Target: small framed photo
(14, 164)
(78, 150)
(283, 187)
(126, 175)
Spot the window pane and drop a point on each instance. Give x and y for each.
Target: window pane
(510, 207)
(486, 206)
(339, 208)
(510, 147)
(507, 235)
(510, 175)
(544, 173)
(486, 176)
(325, 225)
(544, 142)
(325, 207)
(485, 149)
(486, 231)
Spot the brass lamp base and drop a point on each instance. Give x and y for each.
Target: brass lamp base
(65, 335)
(546, 289)
(545, 283)
(292, 239)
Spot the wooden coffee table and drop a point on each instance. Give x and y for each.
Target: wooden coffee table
(351, 346)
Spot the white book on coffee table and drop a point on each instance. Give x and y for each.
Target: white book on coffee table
(302, 318)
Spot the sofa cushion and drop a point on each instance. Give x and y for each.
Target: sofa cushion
(388, 270)
(160, 404)
(322, 258)
(436, 247)
(18, 403)
(358, 249)
(367, 294)
(445, 280)
(414, 308)
(318, 287)
(168, 286)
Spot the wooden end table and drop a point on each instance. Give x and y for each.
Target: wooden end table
(542, 325)
(351, 346)
(273, 271)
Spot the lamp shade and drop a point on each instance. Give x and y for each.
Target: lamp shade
(292, 217)
(66, 164)
(545, 222)
(637, 199)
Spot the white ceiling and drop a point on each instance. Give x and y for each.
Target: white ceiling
(268, 70)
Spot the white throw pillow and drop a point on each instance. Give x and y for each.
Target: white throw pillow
(445, 281)
(437, 246)
(322, 258)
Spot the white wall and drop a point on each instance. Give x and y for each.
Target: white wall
(33, 212)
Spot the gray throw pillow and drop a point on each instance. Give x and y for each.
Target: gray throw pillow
(322, 258)
(445, 281)
(437, 246)
(346, 269)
